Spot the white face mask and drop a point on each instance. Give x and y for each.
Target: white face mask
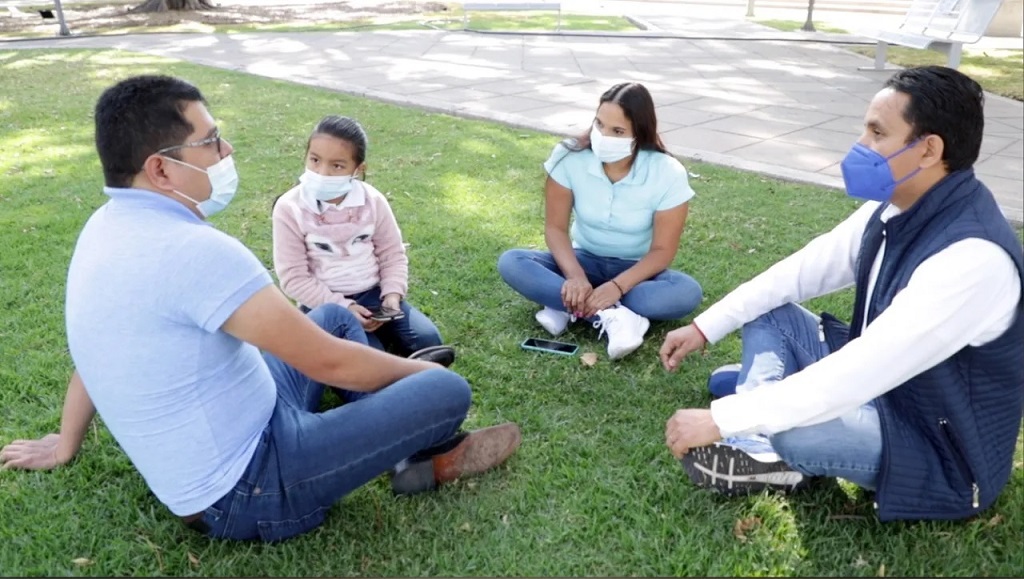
(323, 187)
(610, 149)
(223, 185)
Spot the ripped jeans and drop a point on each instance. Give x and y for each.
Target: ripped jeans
(783, 342)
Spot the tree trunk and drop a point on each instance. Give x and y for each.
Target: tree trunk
(809, 25)
(167, 5)
(64, 31)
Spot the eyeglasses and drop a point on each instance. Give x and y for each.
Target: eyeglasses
(214, 139)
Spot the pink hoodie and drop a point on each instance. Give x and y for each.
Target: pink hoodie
(323, 253)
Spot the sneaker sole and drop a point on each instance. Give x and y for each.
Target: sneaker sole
(732, 472)
(481, 451)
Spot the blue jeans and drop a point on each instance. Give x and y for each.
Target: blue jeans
(307, 460)
(670, 295)
(413, 332)
(785, 341)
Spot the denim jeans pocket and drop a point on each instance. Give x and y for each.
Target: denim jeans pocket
(255, 473)
(273, 531)
(212, 523)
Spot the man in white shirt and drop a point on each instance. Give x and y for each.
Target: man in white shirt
(922, 399)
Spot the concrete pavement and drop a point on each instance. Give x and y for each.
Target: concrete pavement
(731, 92)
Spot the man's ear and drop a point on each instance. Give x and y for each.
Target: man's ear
(155, 170)
(934, 147)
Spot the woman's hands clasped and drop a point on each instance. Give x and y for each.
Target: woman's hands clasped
(575, 292)
(603, 297)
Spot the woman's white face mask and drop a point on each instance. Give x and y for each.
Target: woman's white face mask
(610, 149)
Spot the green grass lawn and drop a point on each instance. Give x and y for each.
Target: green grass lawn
(593, 491)
(505, 22)
(543, 21)
(478, 21)
(998, 71)
(794, 25)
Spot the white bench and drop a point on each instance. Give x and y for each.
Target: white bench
(941, 25)
(468, 7)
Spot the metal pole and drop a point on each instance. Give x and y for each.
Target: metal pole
(64, 31)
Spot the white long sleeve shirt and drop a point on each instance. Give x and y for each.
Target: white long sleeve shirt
(964, 295)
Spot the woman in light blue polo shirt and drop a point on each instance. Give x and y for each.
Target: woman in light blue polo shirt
(629, 197)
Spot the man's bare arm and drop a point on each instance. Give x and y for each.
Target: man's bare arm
(270, 322)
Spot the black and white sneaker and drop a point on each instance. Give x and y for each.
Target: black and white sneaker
(728, 470)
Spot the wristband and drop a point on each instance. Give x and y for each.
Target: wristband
(621, 291)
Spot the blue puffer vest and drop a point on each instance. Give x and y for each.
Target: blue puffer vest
(949, 433)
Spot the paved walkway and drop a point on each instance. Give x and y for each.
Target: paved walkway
(725, 95)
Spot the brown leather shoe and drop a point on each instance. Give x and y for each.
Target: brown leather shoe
(474, 453)
(480, 451)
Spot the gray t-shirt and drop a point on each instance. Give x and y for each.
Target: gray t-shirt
(149, 286)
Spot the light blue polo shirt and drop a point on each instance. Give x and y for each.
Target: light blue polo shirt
(617, 219)
(149, 286)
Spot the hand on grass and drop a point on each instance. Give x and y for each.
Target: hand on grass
(38, 454)
(678, 344)
(689, 428)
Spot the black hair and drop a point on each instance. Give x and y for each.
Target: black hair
(638, 106)
(343, 128)
(137, 117)
(946, 103)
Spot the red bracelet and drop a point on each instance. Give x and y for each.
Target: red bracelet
(621, 292)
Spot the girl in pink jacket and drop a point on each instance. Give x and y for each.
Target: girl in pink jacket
(336, 241)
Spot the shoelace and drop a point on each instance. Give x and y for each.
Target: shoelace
(604, 324)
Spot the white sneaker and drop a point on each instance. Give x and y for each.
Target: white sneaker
(552, 320)
(625, 330)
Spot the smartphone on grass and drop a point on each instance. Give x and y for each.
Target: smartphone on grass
(550, 346)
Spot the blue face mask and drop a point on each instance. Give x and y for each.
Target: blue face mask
(867, 175)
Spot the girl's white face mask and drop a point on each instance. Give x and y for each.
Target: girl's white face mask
(610, 149)
(325, 188)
